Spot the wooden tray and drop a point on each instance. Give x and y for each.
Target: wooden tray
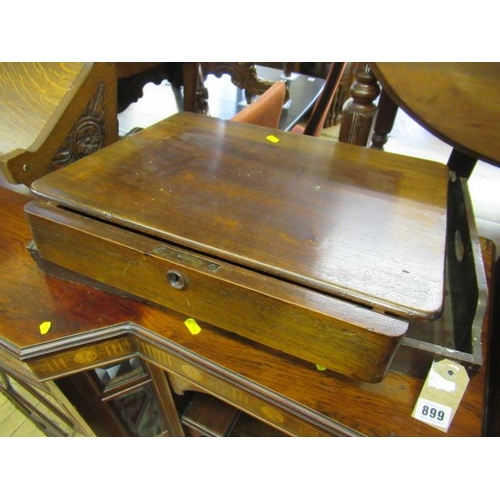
(456, 334)
(322, 250)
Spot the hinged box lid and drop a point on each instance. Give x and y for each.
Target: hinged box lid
(356, 223)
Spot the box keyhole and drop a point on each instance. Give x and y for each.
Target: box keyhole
(176, 280)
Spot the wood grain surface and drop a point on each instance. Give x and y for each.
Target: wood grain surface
(456, 101)
(54, 113)
(34, 96)
(352, 222)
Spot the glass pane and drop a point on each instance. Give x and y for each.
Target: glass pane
(140, 412)
(111, 376)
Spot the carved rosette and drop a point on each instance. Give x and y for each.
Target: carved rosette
(87, 135)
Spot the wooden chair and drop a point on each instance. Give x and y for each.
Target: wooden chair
(243, 75)
(52, 114)
(266, 109)
(318, 115)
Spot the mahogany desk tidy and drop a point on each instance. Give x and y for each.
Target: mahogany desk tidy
(91, 328)
(324, 251)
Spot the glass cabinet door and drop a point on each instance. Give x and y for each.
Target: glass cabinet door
(140, 412)
(126, 387)
(125, 398)
(113, 376)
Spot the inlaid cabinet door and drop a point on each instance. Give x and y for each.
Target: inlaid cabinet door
(125, 398)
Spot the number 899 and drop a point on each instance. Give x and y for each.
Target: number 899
(433, 413)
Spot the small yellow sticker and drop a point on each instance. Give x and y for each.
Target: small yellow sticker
(273, 139)
(321, 368)
(192, 326)
(45, 327)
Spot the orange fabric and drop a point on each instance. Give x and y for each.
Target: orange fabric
(266, 110)
(298, 129)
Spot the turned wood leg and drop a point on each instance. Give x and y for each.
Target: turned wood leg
(287, 69)
(461, 163)
(386, 116)
(359, 111)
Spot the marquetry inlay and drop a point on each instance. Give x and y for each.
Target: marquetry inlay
(192, 373)
(84, 357)
(228, 391)
(272, 414)
(157, 354)
(55, 364)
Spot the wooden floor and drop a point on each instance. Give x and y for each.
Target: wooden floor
(63, 417)
(406, 138)
(14, 423)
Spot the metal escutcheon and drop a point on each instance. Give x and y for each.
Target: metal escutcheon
(176, 280)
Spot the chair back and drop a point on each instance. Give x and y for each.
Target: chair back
(52, 114)
(266, 109)
(320, 109)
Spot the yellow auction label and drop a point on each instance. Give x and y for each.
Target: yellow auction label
(45, 327)
(273, 139)
(192, 326)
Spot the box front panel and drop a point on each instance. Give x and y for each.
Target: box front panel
(344, 337)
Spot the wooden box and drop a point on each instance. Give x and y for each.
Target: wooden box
(322, 250)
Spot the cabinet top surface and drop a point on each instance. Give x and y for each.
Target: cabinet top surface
(361, 224)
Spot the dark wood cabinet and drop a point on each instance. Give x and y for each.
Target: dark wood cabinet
(135, 398)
